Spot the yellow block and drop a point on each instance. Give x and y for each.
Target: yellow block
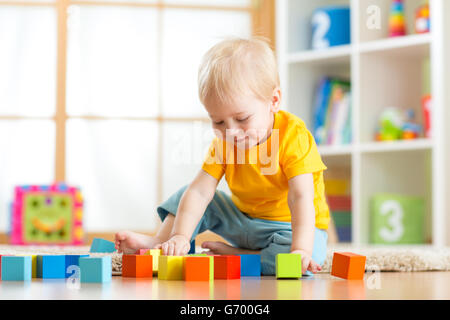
(337, 187)
(155, 253)
(170, 267)
(33, 262)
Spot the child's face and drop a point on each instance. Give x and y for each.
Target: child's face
(246, 122)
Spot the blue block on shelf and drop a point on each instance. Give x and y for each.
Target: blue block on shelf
(16, 268)
(344, 234)
(51, 266)
(73, 260)
(102, 245)
(250, 265)
(330, 27)
(96, 269)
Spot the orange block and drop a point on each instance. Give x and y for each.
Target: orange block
(348, 265)
(137, 266)
(197, 268)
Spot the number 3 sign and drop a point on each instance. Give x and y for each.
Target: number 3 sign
(397, 219)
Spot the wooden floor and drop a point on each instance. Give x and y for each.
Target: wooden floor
(384, 285)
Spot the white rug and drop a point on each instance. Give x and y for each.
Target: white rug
(403, 259)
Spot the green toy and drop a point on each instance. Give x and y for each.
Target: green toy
(397, 219)
(288, 265)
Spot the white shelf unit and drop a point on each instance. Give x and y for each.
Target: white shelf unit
(384, 72)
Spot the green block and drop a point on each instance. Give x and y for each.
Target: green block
(288, 265)
(342, 218)
(397, 219)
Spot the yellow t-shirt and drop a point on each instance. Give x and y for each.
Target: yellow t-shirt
(258, 178)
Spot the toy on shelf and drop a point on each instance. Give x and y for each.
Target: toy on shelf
(395, 125)
(397, 219)
(47, 214)
(422, 23)
(426, 109)
(330, 27)
(347, 265)
(397, 25)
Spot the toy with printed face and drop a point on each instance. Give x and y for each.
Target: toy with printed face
(47, 215)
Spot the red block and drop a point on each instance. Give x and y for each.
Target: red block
(227, 267)
(339, 203)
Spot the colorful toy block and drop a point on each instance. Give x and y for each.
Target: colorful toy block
(102, 245)
(51, 266)
(288, 265)
(33, 263)
(250, 265)
(96, 269)
(48, 214)
(198, 268)
(348, 265)
(73, 260)
(397, 219)
(171, 268)
(227, 267)
(155, 253)
(16, 268)
(137, 266)
(3, 255)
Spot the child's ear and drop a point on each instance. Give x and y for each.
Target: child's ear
(276, 100)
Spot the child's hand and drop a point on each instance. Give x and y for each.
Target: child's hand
(307, 262)
(178, 245)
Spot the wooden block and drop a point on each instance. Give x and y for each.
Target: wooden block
(137, 266)
(227, 267)
(102, 245)
(33, 263)
(155, 253)
(3, 255)
(16, 268)
(73, 260)
(348, 265)
(51, 266)
(250, 265)
(198, 268)
(171, 267)
(142, 252)
(288, 265)
(96, 269)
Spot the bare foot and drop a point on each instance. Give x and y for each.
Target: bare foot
(221, 248)
(129, 242)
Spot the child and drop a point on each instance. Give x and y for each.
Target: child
(277, 202)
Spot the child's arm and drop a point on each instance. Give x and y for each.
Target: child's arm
(191, 208)
(303, 218)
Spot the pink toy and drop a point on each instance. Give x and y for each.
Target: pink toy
(47, 215)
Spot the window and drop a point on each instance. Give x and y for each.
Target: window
(103, 95)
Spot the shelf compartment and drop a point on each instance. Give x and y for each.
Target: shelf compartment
(396, 146)
(337, 54)
(405, 173)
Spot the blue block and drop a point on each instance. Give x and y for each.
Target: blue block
(102, 245)
(16, 268)
(73, 259)
(96, 269)
(51, 266)
(330, 27)
(192, 249)
(250, 265)
(344, 234)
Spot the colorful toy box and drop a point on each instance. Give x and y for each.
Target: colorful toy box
(397, 219)
(47, 215)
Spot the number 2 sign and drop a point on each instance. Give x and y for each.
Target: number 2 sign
(330, 27)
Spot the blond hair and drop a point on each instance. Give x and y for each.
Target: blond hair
(238, 66)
